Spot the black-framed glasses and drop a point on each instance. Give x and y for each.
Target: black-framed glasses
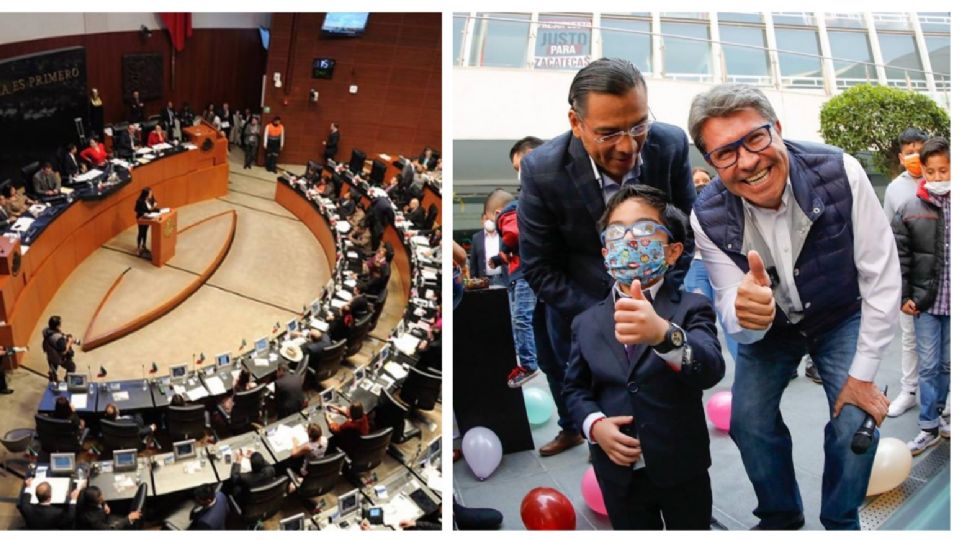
(639, 229)
(727, 155)
(638, 130)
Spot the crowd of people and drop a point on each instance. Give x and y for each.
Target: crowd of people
(790, 252)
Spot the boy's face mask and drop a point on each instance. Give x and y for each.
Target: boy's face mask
(911, 163)
(641, 258)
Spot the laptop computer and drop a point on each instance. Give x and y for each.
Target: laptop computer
(185, 449)
(77, 383)
(124, 460)
(62, 464)
(223, 360)
(178, 372)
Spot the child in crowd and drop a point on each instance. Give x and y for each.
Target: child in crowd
(922, 230)
(639, 362)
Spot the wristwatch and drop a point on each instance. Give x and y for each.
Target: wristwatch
(673, 339)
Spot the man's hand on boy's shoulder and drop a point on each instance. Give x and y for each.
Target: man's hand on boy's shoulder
(621, 449)
(636, 320)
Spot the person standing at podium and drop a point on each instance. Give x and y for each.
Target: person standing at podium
(145, 205)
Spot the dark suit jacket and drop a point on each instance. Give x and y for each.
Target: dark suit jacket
(333, 140)
(213, 518)
(243, 483)
(98, 520)
(168, 118)
(666, 405)
(312, 350)
(45, 517)
(417, 217)
(123, 144)
(478, 255)
(70, 165)
(561, 203)
(289, 395)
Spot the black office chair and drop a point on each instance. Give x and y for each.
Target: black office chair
(140, 499)
(59, 435)
(179, 520)
(261, 502)
(187, 422)
(358, 332)
(247, 410)
(430, 218)
(377, 302)
(391, 413)
(26, 176)
(365, 451)
(421, 388)
(119, 435)
(329, 361)
(322, 476)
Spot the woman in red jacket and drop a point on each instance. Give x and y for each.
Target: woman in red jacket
(156, 136)
(95, 153)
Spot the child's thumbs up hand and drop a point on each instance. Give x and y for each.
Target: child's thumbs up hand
(636, 320)
(755, 306)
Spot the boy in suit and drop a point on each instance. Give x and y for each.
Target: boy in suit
(639, 362)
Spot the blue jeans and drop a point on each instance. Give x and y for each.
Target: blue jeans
(522, 302)
(933, 354)
(763, 371)
(698, 281)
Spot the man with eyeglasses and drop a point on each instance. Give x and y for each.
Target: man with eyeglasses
(803, 260)
(565, 183)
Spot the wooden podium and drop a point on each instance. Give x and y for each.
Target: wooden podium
(163, 236)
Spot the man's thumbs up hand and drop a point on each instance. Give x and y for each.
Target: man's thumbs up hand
(755, 306)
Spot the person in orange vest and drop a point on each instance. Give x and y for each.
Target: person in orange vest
(273, 143)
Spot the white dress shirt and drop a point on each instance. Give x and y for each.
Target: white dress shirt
(874, 253)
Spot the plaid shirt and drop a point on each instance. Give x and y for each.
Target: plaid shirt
(941, 306)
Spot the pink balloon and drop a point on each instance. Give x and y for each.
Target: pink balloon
(590, 489)
(718, 409)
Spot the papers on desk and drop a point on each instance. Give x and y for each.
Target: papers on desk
(352, 255)
(161, 146)
(420, 240)
(261, 362)
(428, 275)
(395, 369)
(192, 466)
(121, 163)
(143, 150)
(434, 478)
(59, 488)
(215, 385)
(120, 396)
(400, 508)
(337, 303)
(318, 324)
(295, 342)
(152, 215)
(197, 392)
(22, 224)
(283, 436)
(406, 343)
(345, 295)
(163, 211)
(37, 209)
(78, 401)
(343, 227)
(350, 283)
(122, 482)
(92, 174)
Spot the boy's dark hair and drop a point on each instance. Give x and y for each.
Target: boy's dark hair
(935, 146)
(498, 197)
(671, 216)
(204, 494)
(911, 135)
(524, 145)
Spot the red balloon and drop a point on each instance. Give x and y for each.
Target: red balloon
(546, 509)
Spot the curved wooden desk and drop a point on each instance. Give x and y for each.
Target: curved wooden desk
(178, 180)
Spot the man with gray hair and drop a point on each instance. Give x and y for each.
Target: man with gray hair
(565, 183)
(803, 261)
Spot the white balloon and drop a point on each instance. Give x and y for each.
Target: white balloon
(482, 450)
(891, 466)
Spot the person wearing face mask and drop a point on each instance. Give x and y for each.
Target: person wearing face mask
(613, 141)
(903, 188)
(922, 230)
(486, 243)
(803, 261)
(640, 360)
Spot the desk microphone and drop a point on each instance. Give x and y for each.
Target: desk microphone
(864, 436)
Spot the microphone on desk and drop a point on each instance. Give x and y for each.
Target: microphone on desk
(102, 372)
(864, 436)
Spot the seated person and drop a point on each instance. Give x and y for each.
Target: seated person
(426, 522)
(358, 216)
(314, 449)
(376, 282)
(5, 219)
(178, 401)
(361, 238)
(93, 513)
(156, 136)
(71, 165)
(16, 202)
(46, 181)
(63, 410)
(44, 515)
(341, 324)
(345, 206)
(415, 214)
(356, 420)
(325, 188)
(112, 413)
(313, 348)
(125, 142)
(243, 382)
(95, 153)
(211, 511)
(359, 305)
(288, 392)
(261, 473)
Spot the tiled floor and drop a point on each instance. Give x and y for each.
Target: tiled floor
(804, 408)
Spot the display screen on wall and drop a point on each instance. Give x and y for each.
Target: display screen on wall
(41, 95)
(344, 24)
(323, 68)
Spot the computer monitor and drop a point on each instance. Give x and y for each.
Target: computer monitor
(327, 395)
(124, 460)
(185, 449)
(315, 307)
(261, 344)
(293, 325)
(292, 523)
(223, 360)
(76, 382)
(178, 372)
(348, 503)
(357, 157)
(63, 464)
(359, 374)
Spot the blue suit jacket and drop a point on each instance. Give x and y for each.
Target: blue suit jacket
(561, 203)
(666, 406)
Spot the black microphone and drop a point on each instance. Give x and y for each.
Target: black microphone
(864, 436)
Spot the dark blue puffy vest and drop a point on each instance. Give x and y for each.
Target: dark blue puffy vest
(825, 272)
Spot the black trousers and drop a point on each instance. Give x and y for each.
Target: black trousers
(273, 153)
(142, 235)
(643, 506)
(249, 155)
(3, 374)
